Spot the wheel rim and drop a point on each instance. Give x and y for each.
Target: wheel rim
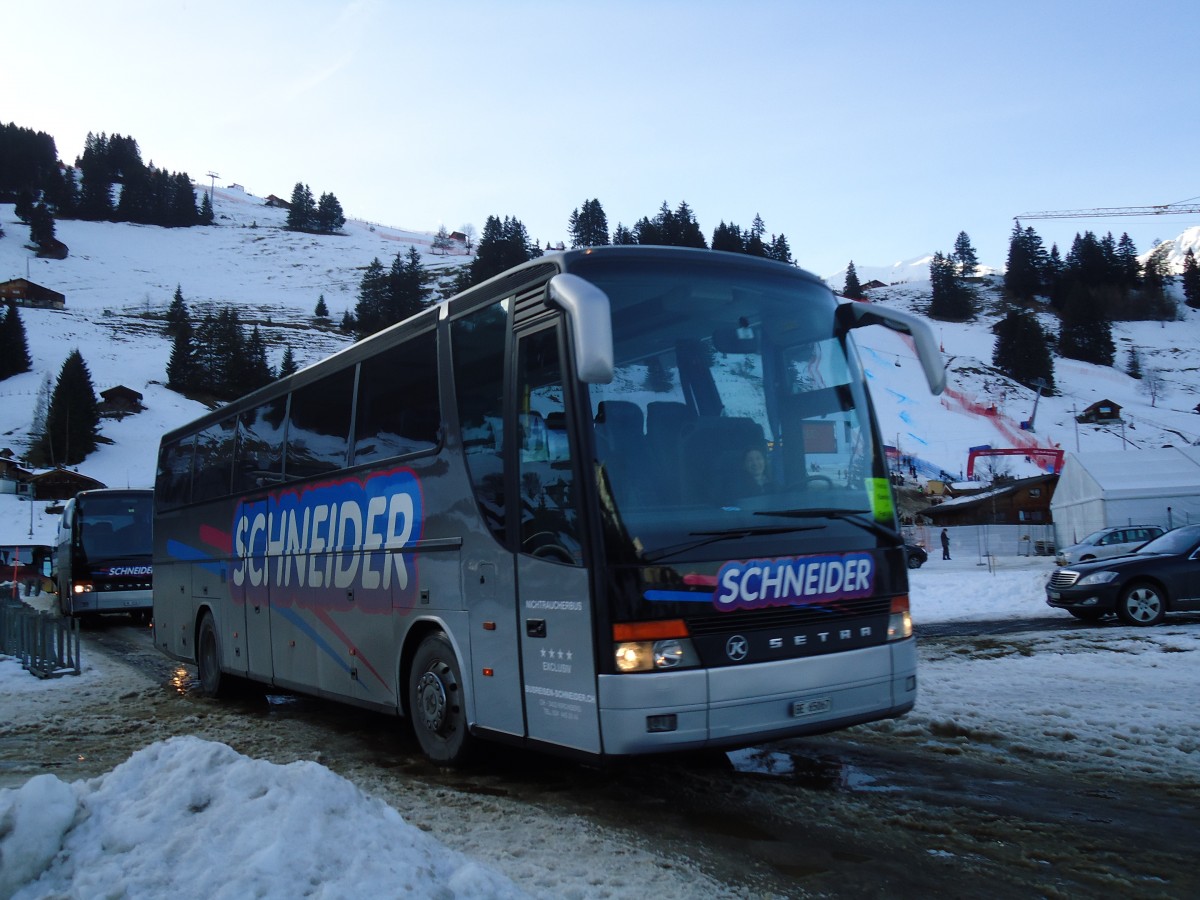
(431, 698)
(1143, 604)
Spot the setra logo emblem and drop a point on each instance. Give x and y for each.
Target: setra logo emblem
(737, 648)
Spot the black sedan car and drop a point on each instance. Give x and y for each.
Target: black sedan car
(1161, 576)
(916, 554)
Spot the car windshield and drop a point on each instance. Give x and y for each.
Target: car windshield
(1094, 537)
(1181, 540)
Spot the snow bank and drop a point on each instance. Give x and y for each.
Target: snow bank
(189, 818)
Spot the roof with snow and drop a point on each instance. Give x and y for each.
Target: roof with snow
(1173, 471)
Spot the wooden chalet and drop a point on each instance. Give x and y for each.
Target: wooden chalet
(61, 484)
(1102, 412)
(1025, 501)
(24, 292)
(120, 401)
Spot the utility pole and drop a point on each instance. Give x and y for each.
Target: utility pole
(212, 193)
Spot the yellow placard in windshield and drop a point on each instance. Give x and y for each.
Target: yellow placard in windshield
(881, 499)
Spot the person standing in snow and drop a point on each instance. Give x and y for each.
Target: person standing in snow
(945, 544)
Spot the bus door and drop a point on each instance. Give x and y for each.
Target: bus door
(554, 605)
(251, 600)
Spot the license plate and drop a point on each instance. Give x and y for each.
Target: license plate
(817, 705)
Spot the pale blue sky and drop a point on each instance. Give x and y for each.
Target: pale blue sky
(871, 131)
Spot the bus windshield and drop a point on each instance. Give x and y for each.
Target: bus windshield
(116, 525)
(736, 411)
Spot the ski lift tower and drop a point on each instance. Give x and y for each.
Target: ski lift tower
(1038, 383)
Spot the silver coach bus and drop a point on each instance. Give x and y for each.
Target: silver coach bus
(102, 554)
(614, 501)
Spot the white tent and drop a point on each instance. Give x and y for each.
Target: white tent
(1128, 487)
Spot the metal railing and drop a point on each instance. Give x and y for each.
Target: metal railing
(47, 645)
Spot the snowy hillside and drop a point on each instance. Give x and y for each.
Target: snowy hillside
(119, 279)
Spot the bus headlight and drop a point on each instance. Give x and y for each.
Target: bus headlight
(82, 587)
(656, 656)
(900, 621)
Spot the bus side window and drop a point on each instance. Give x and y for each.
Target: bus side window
(318, 433)
(213, 470)
(398, 411)
(259, 460)
(477, 344)
(173, 484)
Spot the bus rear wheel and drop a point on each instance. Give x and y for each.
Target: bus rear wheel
(436, 703)
(208, 659)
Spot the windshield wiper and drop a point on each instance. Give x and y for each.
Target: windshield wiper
(853, 516)
(726, 534)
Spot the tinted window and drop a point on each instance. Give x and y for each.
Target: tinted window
(173, 483)
(477, 349)
(319, 427)
(549, 521)
(213, 470)
(398, 410)
(260, 446)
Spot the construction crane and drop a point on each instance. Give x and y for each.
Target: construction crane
(1181, 207)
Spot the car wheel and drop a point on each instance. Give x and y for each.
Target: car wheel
(1142, 604)
(1087, 615)
(914, 562)
(213, 683)
(436, 702)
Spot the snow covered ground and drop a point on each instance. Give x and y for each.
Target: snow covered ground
(189, 817)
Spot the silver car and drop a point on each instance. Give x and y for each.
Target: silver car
(1115, 541)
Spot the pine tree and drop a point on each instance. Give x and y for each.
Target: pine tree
(206, 209)
(1024, 274)
(950, 297)
(95, 195)
(329, 216)
(41, 228)
(780, 250)
(322, 311)
(1129, 270)
(302, 214)
(177, 313)
(407, 284)
(1021, 350)
(41, 409)
(728, 238)
(623, 236)
(852, 288)
(348, 324)
(1191, 279)
(1085, 332)
(73, 420)
(287, 365)
(504, 244)
(589, 227)
(374, 295)
(964, 256)
(1133, 366)
(254, 371)
(182, 371)
(14, 346)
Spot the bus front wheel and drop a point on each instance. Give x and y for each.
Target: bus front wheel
(436, 703)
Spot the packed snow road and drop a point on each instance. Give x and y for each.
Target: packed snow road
(892, 809)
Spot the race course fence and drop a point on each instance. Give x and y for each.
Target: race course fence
(47, 645)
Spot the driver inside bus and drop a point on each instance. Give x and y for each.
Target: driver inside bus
(753, 476)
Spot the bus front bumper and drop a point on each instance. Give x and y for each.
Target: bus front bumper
(111, 601)
(738, 706)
